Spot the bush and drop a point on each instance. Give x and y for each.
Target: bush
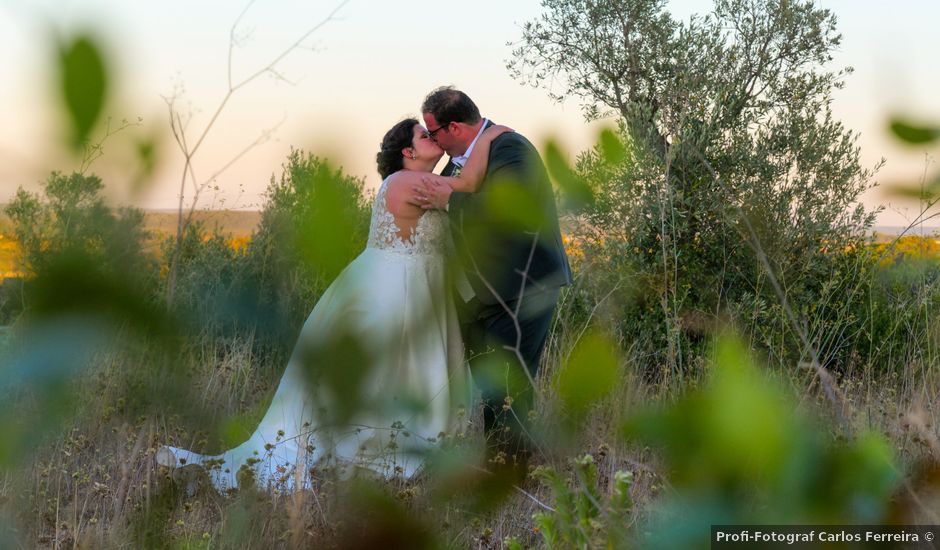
(262, 292)
(71, 219)
(315, 221)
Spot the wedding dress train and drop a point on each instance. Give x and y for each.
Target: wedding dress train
(408, 376)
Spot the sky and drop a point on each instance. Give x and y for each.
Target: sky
(364, 71)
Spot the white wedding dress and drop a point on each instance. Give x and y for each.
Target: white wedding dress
(393, 302)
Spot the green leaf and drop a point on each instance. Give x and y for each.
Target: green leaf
(747, 416)
(920, 192)
(236, 429)
(590, 374)
(913, 133)
(575, 189)
(511, 205)
(83, 78)
(868, 476)
(147, 156)
(613, 150)
(324, 225)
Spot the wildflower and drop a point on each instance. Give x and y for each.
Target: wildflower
(507, 403)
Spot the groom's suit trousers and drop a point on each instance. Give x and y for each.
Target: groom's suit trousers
(505, 346)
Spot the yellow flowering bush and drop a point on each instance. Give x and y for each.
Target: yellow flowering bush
(913, 247)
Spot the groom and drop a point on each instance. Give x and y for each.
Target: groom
(510, 248)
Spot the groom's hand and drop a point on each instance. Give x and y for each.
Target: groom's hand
(432, 194)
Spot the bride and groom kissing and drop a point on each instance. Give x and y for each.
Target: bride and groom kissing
(459, 281)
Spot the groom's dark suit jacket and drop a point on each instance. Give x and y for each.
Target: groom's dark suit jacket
(510, 226)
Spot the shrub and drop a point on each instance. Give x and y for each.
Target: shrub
(315, 221)
(70, 218)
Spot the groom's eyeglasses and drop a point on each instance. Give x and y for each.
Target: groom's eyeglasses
(438, 129)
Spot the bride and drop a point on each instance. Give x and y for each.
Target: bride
(377, 376)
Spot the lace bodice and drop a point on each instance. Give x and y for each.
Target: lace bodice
(429, 236)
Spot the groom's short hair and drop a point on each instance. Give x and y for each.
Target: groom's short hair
(449, 104)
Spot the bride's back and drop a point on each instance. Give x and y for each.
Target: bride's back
(401, 225)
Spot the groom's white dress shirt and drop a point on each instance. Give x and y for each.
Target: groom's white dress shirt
(462, 159)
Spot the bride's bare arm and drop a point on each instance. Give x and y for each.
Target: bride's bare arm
(471, 176)
(434, 191)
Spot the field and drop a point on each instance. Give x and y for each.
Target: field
(235, 224)
(91, 482)
(238, 226)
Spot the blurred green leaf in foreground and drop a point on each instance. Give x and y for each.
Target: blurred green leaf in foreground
(740, 452)
(917, 134)
(83, 85)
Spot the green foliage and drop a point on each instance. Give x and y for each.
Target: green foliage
(211, 279)
(726, 150)
(512, 205)
(83, 77)
(70, 218)
(578, 194)
(583, 518)
(147, 151)
(917, 134)
(739, 453)
(315, 221)
(914, 133)
(590, 373)
(89, 291)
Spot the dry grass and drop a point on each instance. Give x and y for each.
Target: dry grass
(96, 485)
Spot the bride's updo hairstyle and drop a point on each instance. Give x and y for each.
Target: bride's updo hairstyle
(389, 157)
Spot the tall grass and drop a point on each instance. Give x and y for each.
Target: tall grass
(89, 480)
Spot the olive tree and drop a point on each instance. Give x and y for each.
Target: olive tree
(736, 174)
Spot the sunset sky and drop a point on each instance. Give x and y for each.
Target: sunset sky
(368, 69)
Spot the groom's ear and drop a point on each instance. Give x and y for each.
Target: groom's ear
(457, 129)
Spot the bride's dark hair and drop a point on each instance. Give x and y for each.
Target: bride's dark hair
(389, 157)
